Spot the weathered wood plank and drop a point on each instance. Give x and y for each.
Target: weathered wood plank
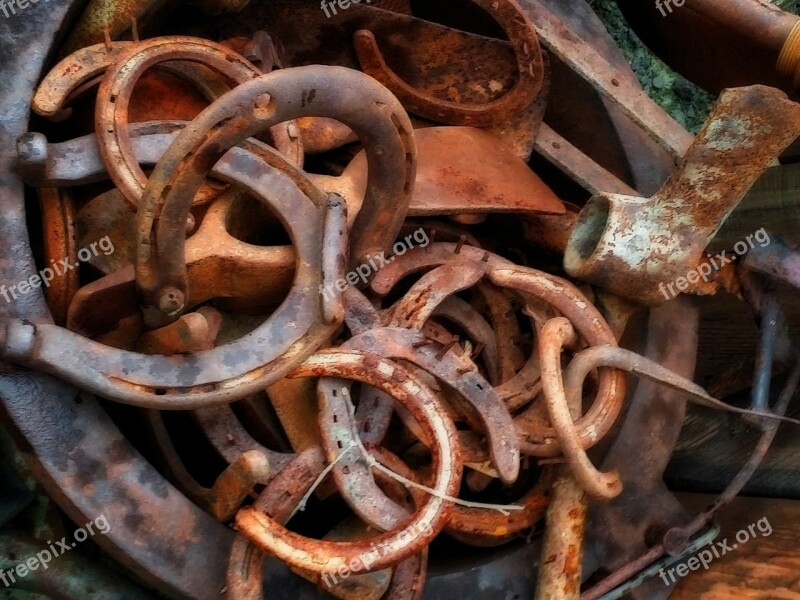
(765, 567)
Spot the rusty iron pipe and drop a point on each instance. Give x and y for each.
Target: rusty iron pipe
(636, 247)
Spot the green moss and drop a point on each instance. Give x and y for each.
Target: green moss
(687, 103)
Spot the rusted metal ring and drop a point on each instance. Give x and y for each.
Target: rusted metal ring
(460, 373)
(428, 520)
(245, 574)
(522, 35)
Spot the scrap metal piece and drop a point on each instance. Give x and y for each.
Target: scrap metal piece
(775, 260)
(508, 336)
(245, 573)
(236, 483)
(84, 68)
(577, 165)
(231, 440)
(351, 472)
(58, 224)
(193, 332)
(534, 286)
(461, 171)
(218, 265)
(478, 329)
(530, 67)
(558, 38)
(433, 288)
(71, 73)
(559, 576)
(74, 577)
(589, 323)
(635, 247)
(677, 539)
(222, 500)
(460, 373)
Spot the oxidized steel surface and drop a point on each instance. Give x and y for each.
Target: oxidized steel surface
(179, 314)
(430, 517)
(631, 245)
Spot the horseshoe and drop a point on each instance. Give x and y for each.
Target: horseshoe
(226, 373)
(523, 37)
(431, 516)
(460, 373)
(252, 107)
(122, 75)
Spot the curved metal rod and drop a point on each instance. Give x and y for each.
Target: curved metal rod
(523, 38)
(619, 358)
(556, 334)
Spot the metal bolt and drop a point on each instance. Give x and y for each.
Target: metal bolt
(171, 301)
